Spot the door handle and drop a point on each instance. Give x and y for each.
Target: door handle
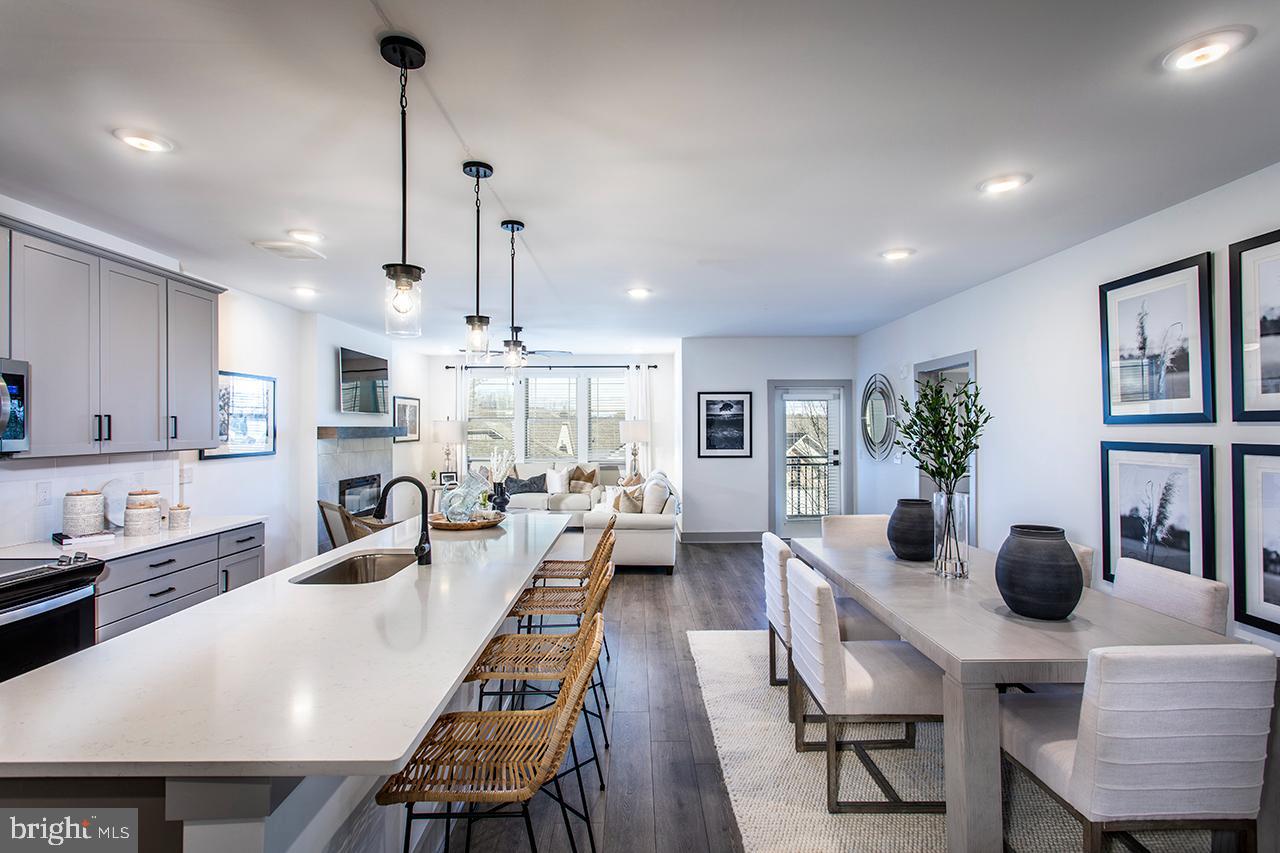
(165, 591)
(173, 426)
(97, 427)
(226, 580)
(107, 420)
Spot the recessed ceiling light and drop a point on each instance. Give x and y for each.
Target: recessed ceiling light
(143, 141)
(639, 293)
(898, 254)
(1208, 48)
(305, 235)
(1003, 183)
(304, 292)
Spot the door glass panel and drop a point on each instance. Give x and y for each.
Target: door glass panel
(808, 458)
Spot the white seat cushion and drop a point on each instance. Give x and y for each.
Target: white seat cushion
(857, 623)
(568, 502)
(887, 677)
(529, 500)
(1039, 731)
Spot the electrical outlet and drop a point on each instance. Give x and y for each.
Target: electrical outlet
(186, 473)
(44, 493)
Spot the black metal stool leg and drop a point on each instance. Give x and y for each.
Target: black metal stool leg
(594, 754)
(528, 827)
(582, 793)
(448, 809)
(408, 825)
(603, 689)
(564, 815)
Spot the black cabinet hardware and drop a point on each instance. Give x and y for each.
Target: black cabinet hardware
(107, 418)
(163, 563)
(165, 591)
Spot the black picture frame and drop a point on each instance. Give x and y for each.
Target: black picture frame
(1203, 264)
(226, 400)
(1240, 410)
(416, 435)
(1204, 452)
(748, 437)
(1240, 516)
(448, 478)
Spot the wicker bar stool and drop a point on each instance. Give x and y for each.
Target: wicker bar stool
(524, 658)
(573, 570)
(499, 758)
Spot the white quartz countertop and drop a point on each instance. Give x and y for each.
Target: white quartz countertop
(276, 678)
(123, 546)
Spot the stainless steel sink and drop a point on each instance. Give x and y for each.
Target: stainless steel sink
(360, 568)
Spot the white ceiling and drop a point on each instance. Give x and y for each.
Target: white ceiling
(746, 159)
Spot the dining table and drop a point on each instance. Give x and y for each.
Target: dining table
(967, 630)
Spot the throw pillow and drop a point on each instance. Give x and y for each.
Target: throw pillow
(631, 500)
(655, 496)
(557, 482)
(634, 480)
(582, 481)
(516, 486)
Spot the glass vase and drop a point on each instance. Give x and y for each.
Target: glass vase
(460, 503)
(951, 534)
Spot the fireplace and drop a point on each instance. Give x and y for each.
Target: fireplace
(359, 495)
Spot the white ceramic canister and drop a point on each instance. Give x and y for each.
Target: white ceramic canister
(142, 496)
(142, 519)
(179, 517)
(83, 513)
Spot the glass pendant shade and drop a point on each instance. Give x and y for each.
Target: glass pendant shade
(403, 308)
(477, 337)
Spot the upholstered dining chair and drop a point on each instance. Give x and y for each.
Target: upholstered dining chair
(1193, 599)
(863, 681)
(869, 531)
(1084, 556)
(856, 622)
(1163, 737)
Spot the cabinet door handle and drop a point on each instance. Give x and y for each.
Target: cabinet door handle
(226, 581)
(173, 426)
(97, 427)
(244, 540)
(163, 563)
(164, 591)
(107, 419)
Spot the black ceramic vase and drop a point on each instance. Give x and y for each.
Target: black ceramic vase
(1037, 572)
(500, 498)
(911, 529)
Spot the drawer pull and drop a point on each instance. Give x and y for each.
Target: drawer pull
(245, 539)
(163, 563)
(164, 591)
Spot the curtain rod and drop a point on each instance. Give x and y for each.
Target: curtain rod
(553, 366)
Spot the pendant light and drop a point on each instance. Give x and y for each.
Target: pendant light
(514, 355)
(477, 323)
(404, 280)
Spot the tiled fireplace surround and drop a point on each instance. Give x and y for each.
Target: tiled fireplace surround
(343, 458)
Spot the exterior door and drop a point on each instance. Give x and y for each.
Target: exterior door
(810, 481)
(133, 360)
(55, 326)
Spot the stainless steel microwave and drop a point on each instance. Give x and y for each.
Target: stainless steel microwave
(15, 396)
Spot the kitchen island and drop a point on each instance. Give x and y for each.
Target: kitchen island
(231, 709)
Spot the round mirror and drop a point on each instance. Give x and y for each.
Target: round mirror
(879, 416)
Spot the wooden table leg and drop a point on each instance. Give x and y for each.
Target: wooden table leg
(971, 756)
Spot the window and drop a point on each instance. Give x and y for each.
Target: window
(606, 408)
(551, 417)
(492, 421)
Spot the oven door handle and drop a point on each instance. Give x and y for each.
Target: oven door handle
(35, 608)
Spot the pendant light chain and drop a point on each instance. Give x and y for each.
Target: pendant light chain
(404, 165)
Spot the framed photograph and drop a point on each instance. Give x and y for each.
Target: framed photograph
(1255, 504)
(1255, 328)
(407, 413)
(724, 424)
(246, 416)
(1157, 506)
(448, 478)
(1157, 345)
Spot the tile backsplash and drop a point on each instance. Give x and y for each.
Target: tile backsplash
(22, 521)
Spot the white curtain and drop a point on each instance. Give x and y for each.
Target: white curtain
(462, 409)
(638, 409)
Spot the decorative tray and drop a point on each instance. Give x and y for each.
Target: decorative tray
(439, 522)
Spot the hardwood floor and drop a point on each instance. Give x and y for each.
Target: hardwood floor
(664, 789)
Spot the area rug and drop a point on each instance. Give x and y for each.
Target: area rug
(779, 795)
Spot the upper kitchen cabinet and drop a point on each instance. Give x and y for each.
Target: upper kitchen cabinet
(5, 352)
(54, 305)
(134, 351)
(193, 367)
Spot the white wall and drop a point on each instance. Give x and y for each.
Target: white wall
(410, 377)
(731, 496)
(1036, 334)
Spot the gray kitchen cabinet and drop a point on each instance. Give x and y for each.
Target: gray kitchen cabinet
(193, 367)
(239, 570)
(132, 362)
(54, 324)
(4, 293)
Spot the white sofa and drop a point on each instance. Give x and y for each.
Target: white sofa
(640, 538)
(577, 503)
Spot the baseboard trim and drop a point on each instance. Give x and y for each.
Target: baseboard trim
(731, 537)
